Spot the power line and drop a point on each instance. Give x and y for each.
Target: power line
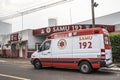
(34, 9)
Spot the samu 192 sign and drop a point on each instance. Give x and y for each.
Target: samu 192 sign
(54, 29)
(85, 41)
(61, 28)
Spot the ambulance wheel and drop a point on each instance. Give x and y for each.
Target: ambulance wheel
(85, 67)
(37, 64)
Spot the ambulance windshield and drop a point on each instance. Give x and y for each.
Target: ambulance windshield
(45, 46)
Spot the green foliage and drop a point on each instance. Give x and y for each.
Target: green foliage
(115, 39)
(115, 42)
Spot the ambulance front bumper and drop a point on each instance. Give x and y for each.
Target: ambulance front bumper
(32, 61)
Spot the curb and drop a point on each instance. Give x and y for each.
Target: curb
(116, 67)
(113, 69)
(20, 62)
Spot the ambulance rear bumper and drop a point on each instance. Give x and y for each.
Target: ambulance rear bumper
(105, 64)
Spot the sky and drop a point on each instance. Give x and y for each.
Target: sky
(68, 13)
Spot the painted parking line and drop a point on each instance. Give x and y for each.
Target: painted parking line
(3, 61)
(14, 77)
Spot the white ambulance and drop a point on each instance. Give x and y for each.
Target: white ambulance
(85, 49)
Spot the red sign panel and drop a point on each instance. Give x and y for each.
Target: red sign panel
(14, 37)
(54, 29)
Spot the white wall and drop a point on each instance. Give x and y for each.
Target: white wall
(4, 40)
(33, 39)
(5, 28)
(117, 27)
(25, 34)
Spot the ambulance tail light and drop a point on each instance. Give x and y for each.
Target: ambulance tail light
(103, 54)
(103, 50)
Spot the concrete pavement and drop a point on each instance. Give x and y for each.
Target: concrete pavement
(16, 60)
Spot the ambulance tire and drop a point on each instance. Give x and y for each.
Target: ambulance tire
(37, 64)
(85, 67)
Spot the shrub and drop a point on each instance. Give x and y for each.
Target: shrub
(115, 42)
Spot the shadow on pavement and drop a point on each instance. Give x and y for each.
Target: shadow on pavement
(99, 72)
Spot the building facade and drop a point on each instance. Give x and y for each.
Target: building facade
(111, 19)
(23, 43)
(20, 44)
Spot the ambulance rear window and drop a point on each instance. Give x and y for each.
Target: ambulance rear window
(106, 40)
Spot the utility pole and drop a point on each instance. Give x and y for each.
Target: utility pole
(70, 16)
(93, 4)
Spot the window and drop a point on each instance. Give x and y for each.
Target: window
(46, 46)
(106, 40)
(52, 22)
(37, 45)
(87, 26)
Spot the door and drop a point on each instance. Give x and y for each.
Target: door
(46, 54)
(62, 52)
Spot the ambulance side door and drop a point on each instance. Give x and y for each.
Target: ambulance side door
(62, 52)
